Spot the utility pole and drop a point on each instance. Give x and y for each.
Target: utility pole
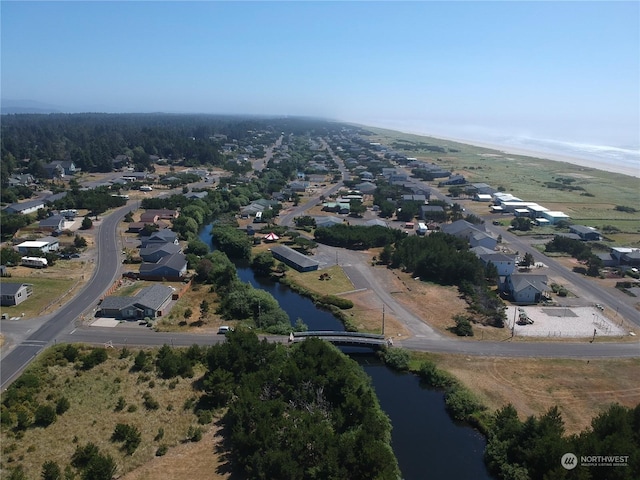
(383, 319)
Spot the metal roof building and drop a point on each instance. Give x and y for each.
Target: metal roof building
(294, 259)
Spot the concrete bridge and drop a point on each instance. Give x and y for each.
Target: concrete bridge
(350, 339)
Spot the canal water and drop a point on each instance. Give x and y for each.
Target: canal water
(428, 444)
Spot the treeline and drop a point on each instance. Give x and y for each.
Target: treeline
(357, 237)
(301, 412)
(92, 141)
(534, 448)
(577, 249)
(239, 300)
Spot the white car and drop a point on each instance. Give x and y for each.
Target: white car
(223, 330)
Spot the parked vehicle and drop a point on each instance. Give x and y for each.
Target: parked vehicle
(36, 262)
(422, 229)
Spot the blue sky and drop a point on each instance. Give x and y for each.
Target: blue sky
(557, 70)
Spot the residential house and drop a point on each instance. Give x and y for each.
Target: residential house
(44, 245)
(432, 213)
(152, 216)
(152, 253)
(626, 256)
(453, 180)
(585, 233)
(376, 222)
(54, 223)
(149, 302)
(159, 238)
(170, 267)
(21, 180)
(25, 208)
(554, 216)
(299, 186)
(196, 195)
(328, 221)
(60, 169)
(505, 264)
(366, 187)
(526, 288)
(14, 293)
(475, 234)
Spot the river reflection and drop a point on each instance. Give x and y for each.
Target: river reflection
(427, 443)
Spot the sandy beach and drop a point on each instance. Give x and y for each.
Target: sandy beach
(624, 169)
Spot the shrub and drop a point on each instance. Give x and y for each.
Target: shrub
(463, 326)
(204, 417)
(194, 434)
(162, 450)
(342, 303)
(120, 404)
(62, 405)
(150, 403)
(45, 415)
(434, 377)
(397, 358)
(461, 403)
(129, 435)
(95, 357)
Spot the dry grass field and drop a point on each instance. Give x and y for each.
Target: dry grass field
(92, 416)
(581, 388)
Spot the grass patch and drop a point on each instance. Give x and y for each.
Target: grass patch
(47, 293)
(336, 283)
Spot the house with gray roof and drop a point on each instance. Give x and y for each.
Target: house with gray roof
(505, 264)
(54, 223)
(585, 233)
(160, 237)
(526, 288)
(149, 302)
(475, 234)
(328, 221)
(152, 253)
(14, 293)
(169, 267)
(25, 208)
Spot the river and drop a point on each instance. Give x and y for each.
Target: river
(428, 444)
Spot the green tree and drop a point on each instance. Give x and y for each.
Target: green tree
(51, 471)
(45, 415)
(87, 223)
(262, 263)
(527, 260)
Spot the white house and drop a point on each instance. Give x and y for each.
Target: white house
(555, 216)
(526, 288)
(46, 244)
(505, 264)
(14, 293)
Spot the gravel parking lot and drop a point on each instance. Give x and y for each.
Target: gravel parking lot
(568, 322)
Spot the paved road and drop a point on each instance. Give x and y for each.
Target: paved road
(141, 336)
(107, 268)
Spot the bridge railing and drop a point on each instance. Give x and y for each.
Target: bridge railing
(330, 333)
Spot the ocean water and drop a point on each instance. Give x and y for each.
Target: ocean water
(625, 157)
